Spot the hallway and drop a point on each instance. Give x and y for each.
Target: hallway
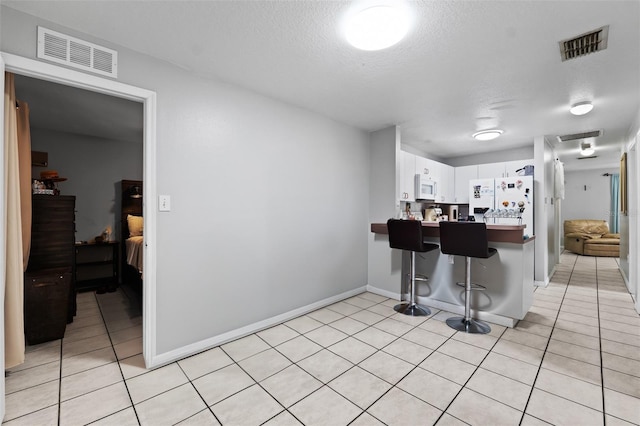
(574, 359)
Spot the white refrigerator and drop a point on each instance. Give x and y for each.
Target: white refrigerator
(503, 201)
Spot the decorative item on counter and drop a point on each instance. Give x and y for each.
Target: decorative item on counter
(50, 178)
(106, 234)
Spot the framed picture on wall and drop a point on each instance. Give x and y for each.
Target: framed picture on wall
(623, 183)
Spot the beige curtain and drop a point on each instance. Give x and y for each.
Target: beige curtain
(17, 156)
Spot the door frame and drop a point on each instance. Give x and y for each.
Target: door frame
(56, 74)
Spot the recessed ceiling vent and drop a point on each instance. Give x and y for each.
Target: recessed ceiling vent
(63, 49)
(586, 158)
(591, 42)
(576, 136)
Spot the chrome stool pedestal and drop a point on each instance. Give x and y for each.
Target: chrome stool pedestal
(466, 323)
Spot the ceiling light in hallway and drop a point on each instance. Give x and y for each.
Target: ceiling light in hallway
(487, 135)
(581, 108)
(377, 27)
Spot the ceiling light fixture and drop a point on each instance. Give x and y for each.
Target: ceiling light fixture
(586, 149)
(487, 135)
(581, 108)
(377, 27)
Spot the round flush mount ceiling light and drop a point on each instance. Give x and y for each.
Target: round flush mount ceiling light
(487, 135)
(581, 108)
(586, 149)
(377, 27)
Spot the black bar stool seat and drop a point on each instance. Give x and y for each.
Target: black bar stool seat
(468, 239)
(407, 235)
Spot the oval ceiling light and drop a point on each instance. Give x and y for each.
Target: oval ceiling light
(586, 149)
(581, 108)
(487, 135)
(377, 27)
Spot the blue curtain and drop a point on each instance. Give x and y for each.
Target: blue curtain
(615, 203)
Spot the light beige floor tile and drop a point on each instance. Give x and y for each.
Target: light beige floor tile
(84, 332)
(360, 302)
(367, 317)
(574, 351)
(622, 406)
(618, 310)
(448, 367)
(203, 418)
(312, 410)
(325, 315)
(154, 382)
(575, 390)
(133, 366)
(477, 409)
(524, 338)
(560, 411)
(468, 353)
(534, 328)
(537, 316)
(277, 335)
(325, 336)
(397, 407)
(621, 382)
(621, 364)
(23, 379)
(373, 297)
(352, 350)
(87, 361)
(366, 419)
(95, 405)
(245, 347)
(348, 326)
(298, 348)
(510, 367)
(222, 383)
(529, 420)
(406, 319)
(391, 326)
(621, 349)
(85, 345)
(576, 339)
(407, 351)
(374, 337)
(170, 407)
(303, 324)
(89, 381)
(628, 328)
(620, 318)
(571, 367)
(344, 308)
(52, 345)
(500, 388)
(570, 309)
(283, 419)
(325, 365)
(121, 324)
(386, 311)
(126, 334)
(438, 327)
(520, 352)
(425, 338)
(617, 336)
(129, 348)
(449, 420)
(291, 385)
(264, 364)
(126, 417)
(386, 367)
(45, 417)
(205, 362)
(360, 387)
(430, 388)
(484, 341)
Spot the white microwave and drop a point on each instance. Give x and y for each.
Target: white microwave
(426, 188)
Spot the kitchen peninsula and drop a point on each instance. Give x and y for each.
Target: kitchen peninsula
(508, 276)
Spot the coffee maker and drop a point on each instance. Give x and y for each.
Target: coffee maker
(432, 214)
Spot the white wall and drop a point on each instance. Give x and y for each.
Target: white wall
(93, 168)
(587, 195)
(269, 201)
(524, 153)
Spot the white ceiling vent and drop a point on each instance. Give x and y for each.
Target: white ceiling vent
(593, 41)
(576, 136)
(63, 49)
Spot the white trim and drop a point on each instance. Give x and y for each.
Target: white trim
(221, 339)
(49, 72)
(385, 293)
(3, 239)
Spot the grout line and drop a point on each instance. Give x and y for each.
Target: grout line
(604, 414)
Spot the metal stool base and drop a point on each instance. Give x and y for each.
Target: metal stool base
(468, 326)
(414, 310)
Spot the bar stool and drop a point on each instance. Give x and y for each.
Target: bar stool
(407, 235)
(468, 239)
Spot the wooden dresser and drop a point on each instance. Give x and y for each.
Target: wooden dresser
(49, 295)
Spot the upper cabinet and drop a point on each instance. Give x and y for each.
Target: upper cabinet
(463, 175)
(407, 177)
(504, 169)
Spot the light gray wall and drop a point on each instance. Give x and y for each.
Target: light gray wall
(524, 153)
(269, 201)
(587, 195)
(93, 168)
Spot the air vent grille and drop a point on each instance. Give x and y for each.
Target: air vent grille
(591, 42)
(576, 136)
(586, 158)
(63, 49)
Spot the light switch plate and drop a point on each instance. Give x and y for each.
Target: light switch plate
(164, 203)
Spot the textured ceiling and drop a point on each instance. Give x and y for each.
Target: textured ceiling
(464, 66)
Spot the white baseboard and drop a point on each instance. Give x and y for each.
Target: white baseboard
(381, 292)
(203, 345)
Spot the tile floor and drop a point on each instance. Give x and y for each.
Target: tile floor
(574, 359)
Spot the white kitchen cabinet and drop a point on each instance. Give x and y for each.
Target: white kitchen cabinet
(407, 176)
(463, 175)
(502, 169)
(511, 167)
(447, 183)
